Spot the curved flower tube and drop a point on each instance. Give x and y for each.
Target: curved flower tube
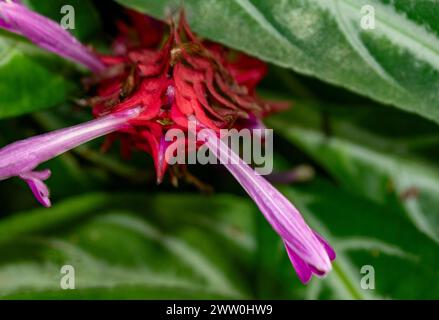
(308, 251)
(22, 157)
(46, 33)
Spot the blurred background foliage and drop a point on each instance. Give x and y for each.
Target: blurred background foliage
(375, 195)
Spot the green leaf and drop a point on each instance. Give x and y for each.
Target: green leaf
(363, 234)
(30, 79)
(395, 63)
(48, 84)
(130, 246)
(168, 246)
(383, 168)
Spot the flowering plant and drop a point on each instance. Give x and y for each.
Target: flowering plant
(154, 84)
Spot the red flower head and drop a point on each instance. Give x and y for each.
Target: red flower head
(172, 80)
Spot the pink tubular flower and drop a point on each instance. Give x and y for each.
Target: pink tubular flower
(45, 33)
(308, 251)
(151, 86)
(22, 157)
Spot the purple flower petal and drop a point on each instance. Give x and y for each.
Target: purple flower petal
(310, 254)
(35, 181)
(22, 157)
(302, 269)
(47, 34)
(329, 250)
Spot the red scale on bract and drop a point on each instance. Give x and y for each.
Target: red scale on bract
(173, 79)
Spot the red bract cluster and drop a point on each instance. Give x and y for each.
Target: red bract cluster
(174, 75)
